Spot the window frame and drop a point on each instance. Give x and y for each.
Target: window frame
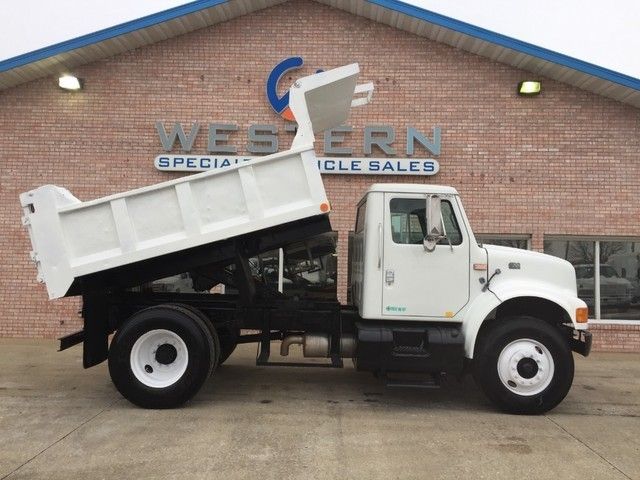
(456, 217)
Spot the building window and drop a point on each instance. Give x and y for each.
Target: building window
(515, 241)
(607, 273)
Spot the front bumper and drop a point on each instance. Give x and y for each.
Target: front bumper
(581, 342)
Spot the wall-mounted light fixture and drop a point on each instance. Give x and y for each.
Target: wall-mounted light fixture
(69, 82)
(529, 88)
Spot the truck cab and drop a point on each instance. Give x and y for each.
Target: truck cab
(416, 265)
(393, 277)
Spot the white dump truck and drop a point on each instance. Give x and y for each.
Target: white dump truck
(426, 298)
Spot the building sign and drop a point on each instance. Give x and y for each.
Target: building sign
(368, 166)
(281, 104)
(263, 140)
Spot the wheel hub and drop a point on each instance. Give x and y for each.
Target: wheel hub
(159, 358)
(166, 354)
(525, 367)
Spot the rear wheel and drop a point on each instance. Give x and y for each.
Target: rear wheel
(161, 356)
(524, 365)
(212, 330)
(225, 338)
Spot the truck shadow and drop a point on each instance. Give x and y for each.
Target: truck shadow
(332, 387)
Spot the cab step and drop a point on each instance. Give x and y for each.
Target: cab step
(428, 381)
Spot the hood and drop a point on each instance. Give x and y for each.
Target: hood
(519, 266)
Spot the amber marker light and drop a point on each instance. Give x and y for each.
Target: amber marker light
(582, 315)
(325, 207)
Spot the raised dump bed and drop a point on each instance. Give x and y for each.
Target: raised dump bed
(166, 228)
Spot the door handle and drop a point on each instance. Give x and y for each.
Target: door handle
(389, 276)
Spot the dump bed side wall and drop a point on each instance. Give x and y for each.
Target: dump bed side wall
(73, 239)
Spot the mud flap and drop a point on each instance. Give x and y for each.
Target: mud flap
(95, 311)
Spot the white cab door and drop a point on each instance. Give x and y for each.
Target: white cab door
(417, 283)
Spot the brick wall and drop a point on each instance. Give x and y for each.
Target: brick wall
(616, 338)
(565, 162)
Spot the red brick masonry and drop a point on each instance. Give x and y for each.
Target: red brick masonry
(565, 162)
(616, 338)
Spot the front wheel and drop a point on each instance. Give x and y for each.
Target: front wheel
(524, 365)
(161, 356)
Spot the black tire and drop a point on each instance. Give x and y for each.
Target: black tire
(502, 334)
(212, 330)
(181, 323)
(226, 339)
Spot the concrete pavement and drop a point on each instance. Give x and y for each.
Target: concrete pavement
(58, 421)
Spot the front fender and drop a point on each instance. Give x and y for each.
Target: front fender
(474, 317)
(485, 303)
(564, 298)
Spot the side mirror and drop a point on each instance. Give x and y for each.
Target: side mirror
(435, 226)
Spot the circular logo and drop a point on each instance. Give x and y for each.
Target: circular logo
(281, 104)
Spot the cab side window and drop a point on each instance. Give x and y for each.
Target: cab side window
(408, 224)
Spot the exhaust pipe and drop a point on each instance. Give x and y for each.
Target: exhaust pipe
(318, 345)
(288, 341)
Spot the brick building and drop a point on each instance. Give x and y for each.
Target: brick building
(558, 172)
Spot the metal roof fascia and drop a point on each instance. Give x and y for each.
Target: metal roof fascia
(395, 5)
(108, 33)
(508, 42)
